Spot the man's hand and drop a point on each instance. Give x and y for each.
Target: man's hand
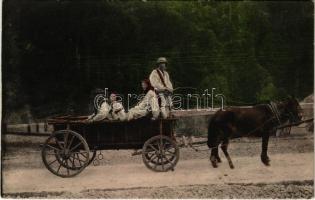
(165, 90)
(169, 90)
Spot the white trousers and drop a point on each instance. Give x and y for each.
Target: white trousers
(166, 105)
(101, 114)
(137, 112)
(121, 115)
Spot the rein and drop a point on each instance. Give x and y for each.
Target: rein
(295, 124)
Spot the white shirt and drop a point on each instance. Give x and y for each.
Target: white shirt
(118, 111)
(157, 83)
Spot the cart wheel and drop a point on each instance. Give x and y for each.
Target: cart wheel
(160, 153)
(65, 153)
(92, 157)
(60, 160)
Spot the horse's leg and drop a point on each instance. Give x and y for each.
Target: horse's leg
(216, 154)
(224, 148)
(213, 158)
(218, 157)
(264, 157)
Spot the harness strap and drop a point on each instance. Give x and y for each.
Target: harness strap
(161, 77)
(274, 109)
(252, 131)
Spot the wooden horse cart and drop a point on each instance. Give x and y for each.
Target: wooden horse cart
(74, 143)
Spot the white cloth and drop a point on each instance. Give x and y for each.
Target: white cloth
(148, 104)
(117, 112)
(166, 105)
(157, 83)
(101, 114)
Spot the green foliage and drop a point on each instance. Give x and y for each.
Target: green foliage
(268, 93)
(57, 52)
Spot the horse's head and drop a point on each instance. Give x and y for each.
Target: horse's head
(292, 110)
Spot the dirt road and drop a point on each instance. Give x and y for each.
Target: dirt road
(122, 176)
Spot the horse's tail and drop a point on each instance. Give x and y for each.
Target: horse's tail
(213, 133)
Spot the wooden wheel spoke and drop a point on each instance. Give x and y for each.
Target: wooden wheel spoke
(153, 147)
(73, 165)
(167, 158)
(65, 161)
(70, 143)
(80, 161)
(76, 146)
(81, 153)
(59, 144)
(52, 162)
(147, 152)
(54, 148)
(70, 162)
(168, 151)
(85, 156)
(59, 168)
(152, 157)
(73, 160)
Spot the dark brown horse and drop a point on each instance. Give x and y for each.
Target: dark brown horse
(260, 120)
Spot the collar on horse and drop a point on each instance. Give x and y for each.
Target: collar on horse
(275, 111)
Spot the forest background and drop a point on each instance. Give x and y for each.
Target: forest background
(56, 53)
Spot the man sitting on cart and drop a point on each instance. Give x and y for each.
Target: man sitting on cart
(117, 111)
(148, 105)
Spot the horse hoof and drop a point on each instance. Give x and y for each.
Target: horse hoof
(214, 165)
(213, 161)
(265, 160)
(267, 163)
(232, 166)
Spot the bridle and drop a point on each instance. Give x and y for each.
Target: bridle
(284, 115)
(291, 117)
